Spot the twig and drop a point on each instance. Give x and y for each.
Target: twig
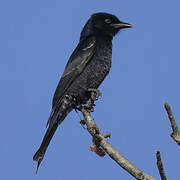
(101, 141)
(175, 134)
(160, 166)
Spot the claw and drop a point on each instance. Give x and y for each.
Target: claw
(97, 93)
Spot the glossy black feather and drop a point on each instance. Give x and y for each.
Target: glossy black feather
(87, 67)
(76, 64)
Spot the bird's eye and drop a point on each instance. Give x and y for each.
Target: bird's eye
(108, 21)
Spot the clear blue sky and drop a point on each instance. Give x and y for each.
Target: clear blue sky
(36, 40)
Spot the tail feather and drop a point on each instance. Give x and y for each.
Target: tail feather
(39, 155)
(50, 118)
(57, 116)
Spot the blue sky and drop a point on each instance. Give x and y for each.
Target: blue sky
(36, 40)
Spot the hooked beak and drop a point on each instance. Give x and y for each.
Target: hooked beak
(121, 25)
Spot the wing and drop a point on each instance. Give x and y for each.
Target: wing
(76, 64)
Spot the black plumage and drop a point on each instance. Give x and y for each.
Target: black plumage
(86, 69)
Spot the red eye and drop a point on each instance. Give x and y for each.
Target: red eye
(108, 21)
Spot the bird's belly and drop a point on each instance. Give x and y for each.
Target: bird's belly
(92, 76)
(96, 73)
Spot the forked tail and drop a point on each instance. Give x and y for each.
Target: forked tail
(58, 114)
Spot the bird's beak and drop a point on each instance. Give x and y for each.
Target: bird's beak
(122, 25)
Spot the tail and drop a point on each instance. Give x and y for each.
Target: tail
(39, 155)
(57, 116)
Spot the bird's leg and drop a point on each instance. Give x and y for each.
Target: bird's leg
(95, 94)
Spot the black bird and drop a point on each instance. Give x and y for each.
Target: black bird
(86, 69)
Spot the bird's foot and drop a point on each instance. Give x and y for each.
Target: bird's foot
(89, 107)
(95, 94)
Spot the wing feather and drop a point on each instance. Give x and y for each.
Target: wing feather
(76, 64)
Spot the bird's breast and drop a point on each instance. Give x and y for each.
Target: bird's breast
(95, 71)
(100, 64)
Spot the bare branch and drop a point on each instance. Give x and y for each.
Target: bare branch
(175, 134)
(100, 141)
(160, 166)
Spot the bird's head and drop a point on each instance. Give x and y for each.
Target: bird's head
(103, 24)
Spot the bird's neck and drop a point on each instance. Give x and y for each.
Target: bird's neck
(104, 40)
(104, 48)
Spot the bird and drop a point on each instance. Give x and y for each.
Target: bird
(86, 69)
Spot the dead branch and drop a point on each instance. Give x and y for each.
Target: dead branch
(175, 134)
(160, 166)
(101, 145)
